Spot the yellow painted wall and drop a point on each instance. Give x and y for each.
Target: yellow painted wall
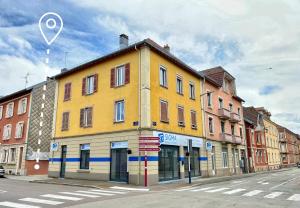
(272, 143)
(173, 98)
(102, 101)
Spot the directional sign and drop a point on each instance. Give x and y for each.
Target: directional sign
(150, 149)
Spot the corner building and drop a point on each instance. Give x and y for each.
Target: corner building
(106, 105)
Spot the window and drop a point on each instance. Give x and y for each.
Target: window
(225, 85)
(192, 91)
(209, 98)
(222, 127)
(210, 125)
(19, 130)
(230, 107)
(84, 156)
(86, 117)
(1, 112)
(12, 155)
(179, 87)
(9, 110)
(7, 132)
(65, 121)
(22, 105)
(180, 116)
(4, 156)
(236, 154)
(193, 119)
(67, 95)
(90, 84)
(241, 132)
(119, 111)
(224, 157)
(163, 76)
(220, 103)
(164, 111)
(232, 129)
(239, 111)
(120, 75)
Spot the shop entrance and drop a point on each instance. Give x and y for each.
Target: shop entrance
(63, 161)
(118, 165)
(168, 163)
(195, 163)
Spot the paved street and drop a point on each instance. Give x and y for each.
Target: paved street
(281, 189)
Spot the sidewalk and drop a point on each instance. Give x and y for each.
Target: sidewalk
(159, 187)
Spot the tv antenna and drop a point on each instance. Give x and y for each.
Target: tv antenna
(26, 77)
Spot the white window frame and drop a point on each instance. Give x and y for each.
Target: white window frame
(224, 156)
(163, 77)
(179, 87)
(119, 108)
(209, 99)
(1, 112)
(213, 126)
(10, 155)
(4, 156)
(9, 110)
(22, 109)
(19, 130)
(90, 80)
(120, 75)
(221, 107)
(7, 132)
(192, 90)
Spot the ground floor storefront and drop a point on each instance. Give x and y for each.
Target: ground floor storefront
(116, 157)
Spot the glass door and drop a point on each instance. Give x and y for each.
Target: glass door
(168, 163)
(118, 169)
(63, 161)
(195, 163)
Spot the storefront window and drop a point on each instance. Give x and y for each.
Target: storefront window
(84, 156)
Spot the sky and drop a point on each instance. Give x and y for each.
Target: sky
(257, 41)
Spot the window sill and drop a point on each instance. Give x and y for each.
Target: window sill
(194, 128)
(118, 86)
(194, 99)
(166, 87)
(20, 114)
(209, 107)
(86, 127)
(118, 122)
(65, 100)
(83, 171)
(211, 134)
(181, 125)
(64, 129)
(167, 122)
(180, 93)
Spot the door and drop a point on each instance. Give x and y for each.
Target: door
(20, 158)
(168, 163)
(118, 169)
(213, 161)
(195, 163)
(63, 161)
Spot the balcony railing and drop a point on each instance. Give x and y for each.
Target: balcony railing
(226, 137)
(234, 117)
(237, 140)
(224, 113)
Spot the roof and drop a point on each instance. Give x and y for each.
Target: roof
(281, 129)
(147, 42)
(250, 114)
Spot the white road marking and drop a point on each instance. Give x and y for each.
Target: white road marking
(78, 194)
(284, 182)
(252, 193)
(112, 192)
(186, 189)
(237, 181)
(2, 191)
(234, 191)
(273, 195)
(265, 183)
(203, 189)
(129, 189)
(96, 193)
(16, 205)
(295, 197)
(61, 197)
(41, 201)
(216, 190)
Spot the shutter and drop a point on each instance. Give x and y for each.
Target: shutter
(83, 86)
(193, 118)
(69, 91)
(95, 82)
(180, 115)
(127, 73)
(112, 78)
(82, 117)
(66, 92)
(164, 111)
(89, 116)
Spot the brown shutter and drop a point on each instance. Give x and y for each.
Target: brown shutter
(127, 73)
(65, 122)
(164, 111)
(83, 85)
(180, 115)
(82, 117)
(66, 92)
(89, 116)
(70, 90)
(112, 78)
(95, 82)
(193, 119)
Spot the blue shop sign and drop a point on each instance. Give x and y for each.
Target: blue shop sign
(119, 145)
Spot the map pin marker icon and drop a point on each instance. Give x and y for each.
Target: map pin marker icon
(50, 25)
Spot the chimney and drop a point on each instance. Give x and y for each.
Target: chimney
(123, 41)
(167, 47)
(63, 70)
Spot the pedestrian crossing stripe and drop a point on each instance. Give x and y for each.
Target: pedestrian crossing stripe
(16, 205)
(295, 197)
(273, 195)
(80, 194)
(216, 190)
(234, 191)
(202, 189)
(253, 193)
(96, 193)
(112, 192)
(61, 197)
(41, 201)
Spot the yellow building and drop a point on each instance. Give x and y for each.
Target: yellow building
(104, 106)
(272, 140)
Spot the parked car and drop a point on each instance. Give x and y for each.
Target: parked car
(298, 165)
(2, 171)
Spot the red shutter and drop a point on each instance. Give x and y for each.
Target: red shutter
(83, 85)
(112, 77)
(127, 73)
(95, 82)
(82, 117)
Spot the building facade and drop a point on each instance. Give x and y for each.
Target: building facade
(105, 106)
(272, 139)
(26, 129)
(256, 140)
(224, 123)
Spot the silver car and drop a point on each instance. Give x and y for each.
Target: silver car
(2, 171)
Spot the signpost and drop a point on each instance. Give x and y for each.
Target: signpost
(146, 144)
(190, 148)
